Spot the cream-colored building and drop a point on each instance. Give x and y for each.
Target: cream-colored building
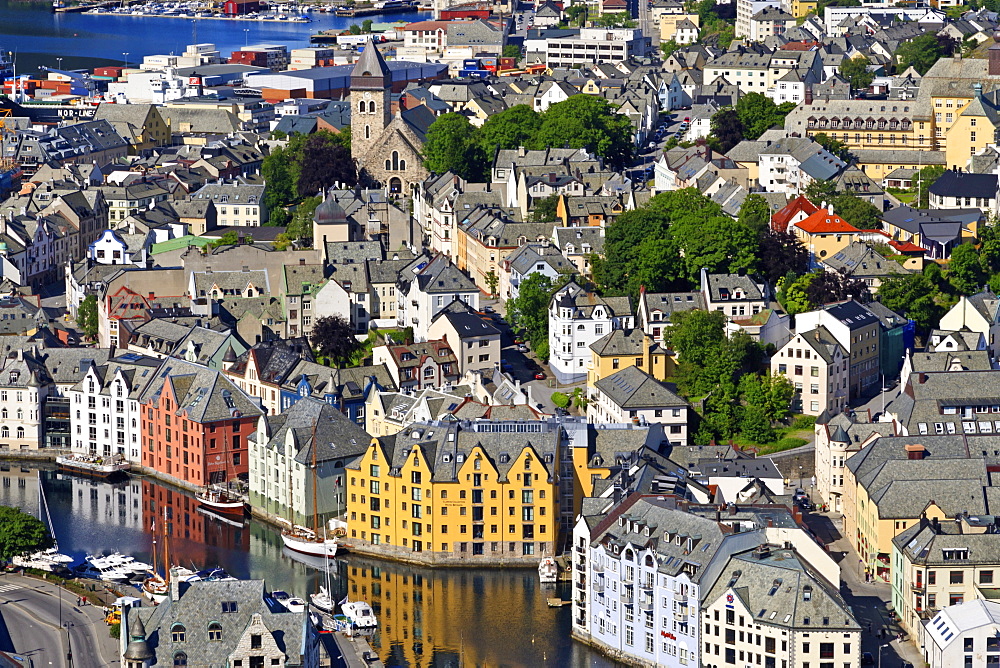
(817, 365)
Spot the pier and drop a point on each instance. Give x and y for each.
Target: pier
(354, 652)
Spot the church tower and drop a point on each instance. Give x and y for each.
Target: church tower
(371, 90)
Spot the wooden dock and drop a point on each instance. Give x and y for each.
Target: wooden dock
(557, 602)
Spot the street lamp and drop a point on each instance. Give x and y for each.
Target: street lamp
(125, 53)
(58, 63)
(800, 476)
(880, 648)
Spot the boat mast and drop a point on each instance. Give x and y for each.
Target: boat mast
(315, 500)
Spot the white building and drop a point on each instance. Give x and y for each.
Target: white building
(577, 319)
(281, 460)
(632, 395)
(817, 365)
(116, 247)
(426, 289)
(236, 204)
(967, 634)
(769, 607)
(531, 258)
(596, 45)
(104, 407)
(155, 87)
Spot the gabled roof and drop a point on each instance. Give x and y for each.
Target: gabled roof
(781, 219)
(634, 389)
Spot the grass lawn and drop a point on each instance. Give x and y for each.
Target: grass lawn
(799, 433)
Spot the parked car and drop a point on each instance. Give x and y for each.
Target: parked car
(540, 375)
(522, 348)
(867, 659)
(488, 309)
(506, 366)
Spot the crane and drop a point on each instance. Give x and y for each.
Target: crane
(81, 82)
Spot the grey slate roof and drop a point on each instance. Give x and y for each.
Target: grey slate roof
(336, 436)
(205, 394)
(860, 260)
(633, 389)
(201, 603)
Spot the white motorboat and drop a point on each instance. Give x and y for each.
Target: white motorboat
(359, 614)
(99, 569)
(128, 562)
(94, 466)
(52, 554)
(322, 600)
(548, 571)
(290, 603)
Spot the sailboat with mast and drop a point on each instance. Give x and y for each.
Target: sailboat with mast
(309, 541)
(50, 559)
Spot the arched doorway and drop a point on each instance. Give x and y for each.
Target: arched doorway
(395, 185)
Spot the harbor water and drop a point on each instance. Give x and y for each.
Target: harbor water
(37, 36)
(427, 617)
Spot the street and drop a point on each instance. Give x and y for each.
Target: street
(29, 625)
(866, 599)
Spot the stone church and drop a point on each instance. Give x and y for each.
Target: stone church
(387, 148)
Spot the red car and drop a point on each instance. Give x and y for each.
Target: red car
(539, 376)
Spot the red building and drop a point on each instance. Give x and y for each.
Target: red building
(195, 424)
(195, 534)
(240, 7)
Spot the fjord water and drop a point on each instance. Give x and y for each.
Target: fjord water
(37, 36)
(428, 617)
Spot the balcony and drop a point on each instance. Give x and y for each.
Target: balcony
(598, 567)
(681, 614)
(918, 586)
(646, 604)
(628, 598)
(599, 585)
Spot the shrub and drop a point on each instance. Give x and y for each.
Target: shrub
(560, 400)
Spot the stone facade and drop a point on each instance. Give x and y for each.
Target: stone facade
(386, 148)
(256, 643)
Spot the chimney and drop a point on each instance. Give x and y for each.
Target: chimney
(994, 56)
(915, 451)
(809, 94)
(922, 378)
(175, 585)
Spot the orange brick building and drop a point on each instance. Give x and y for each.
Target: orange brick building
(195, 424)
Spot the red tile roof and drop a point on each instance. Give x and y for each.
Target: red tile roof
(781, 218)
(824, 222)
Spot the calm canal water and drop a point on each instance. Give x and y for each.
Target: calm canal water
(37, 36)
(428, 617)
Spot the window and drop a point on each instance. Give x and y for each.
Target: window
(229, 606)
(956, 577)
(985, 577)
(215, 631)
(178, 633)
(180, 659)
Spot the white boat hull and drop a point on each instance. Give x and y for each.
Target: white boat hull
(316, 548)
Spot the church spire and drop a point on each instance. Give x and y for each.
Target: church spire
(371, 70)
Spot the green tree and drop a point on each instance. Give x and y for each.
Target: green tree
(755, 214)
(21, 533)
(511, 51)
(856, 71)
(560, 400)
(965, 271)
(333, 336)
(281, 241)
(492, 281)
(922, 52)
(758, 113)
(544, 209)
(912, 295)
(451, 146)
(86, 317)
(323, 162)
(616, 20)
(717, 244)
(860, 213)
(669, 47)
(576, 14)
(366, 26)
(509, 129)
(280, 174)
(726, 129)
(792, 293)
(354, 29)
(530, 310)
(301, 225)
(590, 122)
(834, 146)
(925, 179)
(780, 253)
(230, 238)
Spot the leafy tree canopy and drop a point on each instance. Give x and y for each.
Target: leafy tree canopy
(451, 146)
(922, 52)
(913, 295)
(21, 533)
(530, 310)
(324, 161)
(590, 122)
(86, 317)
(333, 336)
(965, 271)
(509, 129)
(856, 71)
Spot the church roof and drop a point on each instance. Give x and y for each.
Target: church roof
(371, 64)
